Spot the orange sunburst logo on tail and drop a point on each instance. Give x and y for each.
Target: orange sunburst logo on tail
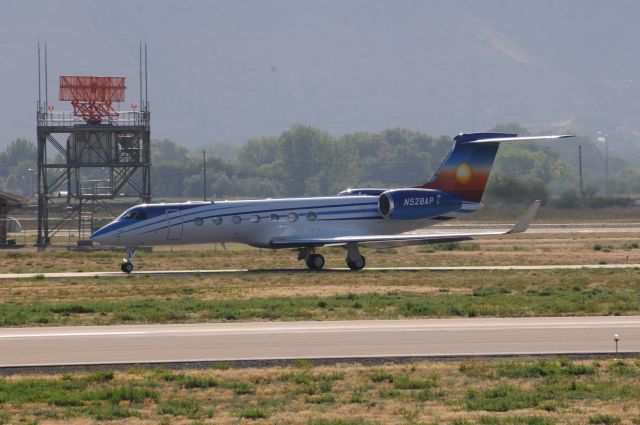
(463, 173)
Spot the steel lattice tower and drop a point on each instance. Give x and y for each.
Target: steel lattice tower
(92, 161)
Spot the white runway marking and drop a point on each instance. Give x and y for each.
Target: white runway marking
(67, 275)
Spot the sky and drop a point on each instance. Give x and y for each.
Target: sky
(227, 71)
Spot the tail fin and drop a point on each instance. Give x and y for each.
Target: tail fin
(465, 171)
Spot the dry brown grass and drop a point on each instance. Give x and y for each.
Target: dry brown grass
(436, 393)
(560, 248)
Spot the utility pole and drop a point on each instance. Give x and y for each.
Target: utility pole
(204, 176)
(606, 159)
(580, 168)
(604, 138)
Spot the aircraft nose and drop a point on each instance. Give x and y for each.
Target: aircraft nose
(102, 235)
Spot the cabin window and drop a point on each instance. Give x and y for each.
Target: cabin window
(292, 216)
(198, 221)
(217, 220)
(275, 217)
(254, 219)
(311, 216)
(236, 219)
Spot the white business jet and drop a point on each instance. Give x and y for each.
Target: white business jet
(378, 218)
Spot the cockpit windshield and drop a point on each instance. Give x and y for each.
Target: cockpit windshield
(133, 214)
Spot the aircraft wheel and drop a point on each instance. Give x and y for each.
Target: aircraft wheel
(126, 267)
(315, 262)
(358, 264)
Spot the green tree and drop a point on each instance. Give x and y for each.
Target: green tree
(18, 167)
(167, 150)
(20, 152)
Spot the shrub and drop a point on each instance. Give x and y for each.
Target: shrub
(318, 399)
(129, 392)
(187, 407)
(604, 419)
(197, 381)
(71, 309)
(338, 422)
(378, 375)
(253, 413)
(100, 376)
(241, 388)
(515, 420)
(404, 382)
(488, 291)
(109, 412)
(500, 399)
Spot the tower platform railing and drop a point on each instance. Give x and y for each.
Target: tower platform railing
(68, 119)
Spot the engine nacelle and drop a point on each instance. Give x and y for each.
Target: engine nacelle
(416, 204)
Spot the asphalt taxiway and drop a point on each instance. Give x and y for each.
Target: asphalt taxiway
(131, 344)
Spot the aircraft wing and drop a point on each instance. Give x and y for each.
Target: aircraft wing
(406, 239)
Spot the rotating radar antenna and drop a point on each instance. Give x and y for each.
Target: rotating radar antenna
(92, 97)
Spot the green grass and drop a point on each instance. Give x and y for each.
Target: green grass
(515, 300)
(70, 392)
(554, 381)
(542, 368)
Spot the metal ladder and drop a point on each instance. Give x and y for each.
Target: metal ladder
(85, 225)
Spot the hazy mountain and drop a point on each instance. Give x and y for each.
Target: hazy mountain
(224, 71)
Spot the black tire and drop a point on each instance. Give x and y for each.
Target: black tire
(357, 265)
(318, 261)
(315, 262)
(126, 267)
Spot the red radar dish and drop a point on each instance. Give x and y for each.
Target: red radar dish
(92, 97)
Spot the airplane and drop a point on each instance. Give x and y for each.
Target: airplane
(372, 217)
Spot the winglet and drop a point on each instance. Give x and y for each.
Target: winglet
(523, 223)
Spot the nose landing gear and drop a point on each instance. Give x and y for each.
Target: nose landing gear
(127, 265)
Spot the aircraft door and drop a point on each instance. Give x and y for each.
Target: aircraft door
(174, 221)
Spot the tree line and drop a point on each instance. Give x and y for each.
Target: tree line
(306, 161)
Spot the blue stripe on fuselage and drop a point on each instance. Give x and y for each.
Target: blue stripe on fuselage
(111, 227)
(214, 213)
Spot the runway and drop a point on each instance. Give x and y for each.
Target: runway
(23, 347)
(67, 275)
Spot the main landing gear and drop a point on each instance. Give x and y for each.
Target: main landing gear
(127, 265)
(313, 261)
(354, 259)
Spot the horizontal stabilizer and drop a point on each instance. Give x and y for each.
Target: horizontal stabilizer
(520, 139)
